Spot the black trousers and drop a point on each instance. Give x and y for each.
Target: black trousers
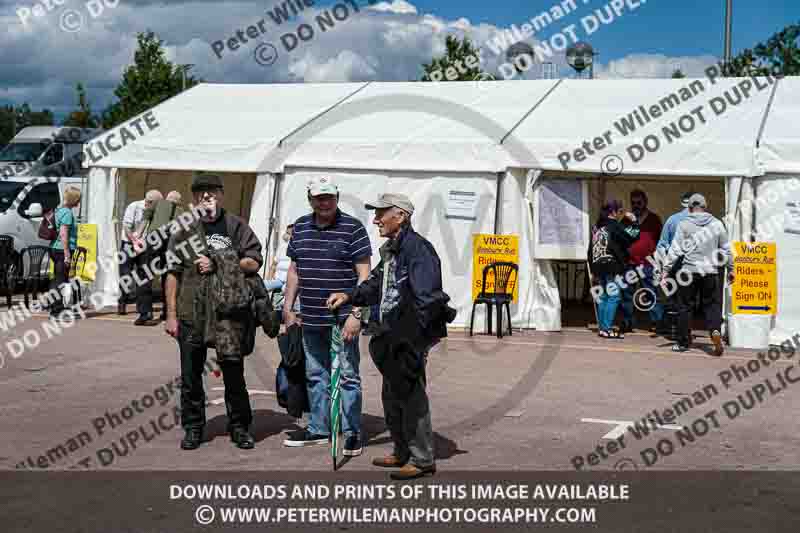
(125, 268)
(144, 292)
(61, 273)
(709, 288)
(193, 397)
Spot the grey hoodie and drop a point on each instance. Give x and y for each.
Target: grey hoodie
(702, 241)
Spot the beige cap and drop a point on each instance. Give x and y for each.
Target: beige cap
(392, 200)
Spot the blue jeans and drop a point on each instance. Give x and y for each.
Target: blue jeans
(646, 300)
(272, 284)
(317, 345)
(608, 302)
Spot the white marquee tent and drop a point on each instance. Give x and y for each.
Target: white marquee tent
(496, 141)
(778, 188)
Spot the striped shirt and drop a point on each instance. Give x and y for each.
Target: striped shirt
(325, 259)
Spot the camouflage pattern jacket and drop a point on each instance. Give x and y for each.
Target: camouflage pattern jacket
(224, 307)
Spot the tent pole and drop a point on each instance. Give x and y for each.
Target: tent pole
(500, 176)
(271, 220)
(766, 113)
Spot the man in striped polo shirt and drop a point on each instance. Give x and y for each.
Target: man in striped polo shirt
(330, 253)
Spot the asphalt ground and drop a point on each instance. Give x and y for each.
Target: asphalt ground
(522, 410)
(531, 401)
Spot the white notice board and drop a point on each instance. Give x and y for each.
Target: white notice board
(462, 205)
(561, 219)
(791, 218)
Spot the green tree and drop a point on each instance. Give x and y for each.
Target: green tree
(26, 117)
(779, 55)
(6, 124)
(83, 116)
(678, 74)
(148, 82)
(457, 53)
(13, 119)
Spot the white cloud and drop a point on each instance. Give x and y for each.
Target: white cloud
(387, 41)
(345, 66)
(654, 66)
(399, 7)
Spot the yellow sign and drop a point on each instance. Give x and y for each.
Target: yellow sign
(755, 286)
(87, 238)
(488, 249)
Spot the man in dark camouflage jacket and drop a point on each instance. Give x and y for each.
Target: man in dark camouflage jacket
(187, 284)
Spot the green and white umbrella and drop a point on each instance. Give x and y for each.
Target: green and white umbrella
(336, 398)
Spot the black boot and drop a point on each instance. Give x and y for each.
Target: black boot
(242, 438)
(144, 320)
(192, 439)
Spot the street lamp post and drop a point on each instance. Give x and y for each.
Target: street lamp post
(728, 30)
(580, 56)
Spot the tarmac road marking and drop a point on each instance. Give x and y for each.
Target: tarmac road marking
(254, 392)
(251, 392)
(622, 426)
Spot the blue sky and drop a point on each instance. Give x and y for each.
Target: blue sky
(672, 27)
(41, 62)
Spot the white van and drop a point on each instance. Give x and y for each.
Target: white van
(46, 151)
(22, 207)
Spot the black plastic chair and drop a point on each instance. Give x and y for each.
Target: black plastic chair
(34, 270)
(79, 256)
(9, 265)
(502, 296)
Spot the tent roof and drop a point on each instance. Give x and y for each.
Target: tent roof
(466, 126)
(779, 146)
(223, 128)
(580, 111)
(418, 126)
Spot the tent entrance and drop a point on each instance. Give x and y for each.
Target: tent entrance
(134, 184)
(663, 194)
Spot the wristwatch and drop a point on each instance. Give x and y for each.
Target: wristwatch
(356, 312)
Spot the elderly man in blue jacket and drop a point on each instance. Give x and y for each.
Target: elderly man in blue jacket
(413, 311)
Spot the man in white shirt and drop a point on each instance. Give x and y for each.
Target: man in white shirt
(131, 242)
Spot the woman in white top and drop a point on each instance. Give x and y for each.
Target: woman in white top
(280, 267)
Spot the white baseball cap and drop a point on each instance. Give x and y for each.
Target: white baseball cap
(322, 185)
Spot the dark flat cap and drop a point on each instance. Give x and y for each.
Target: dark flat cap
(205, 182)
